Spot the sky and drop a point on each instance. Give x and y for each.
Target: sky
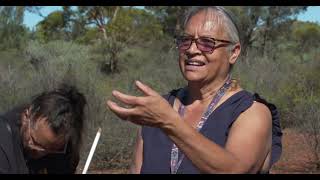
(30, 20)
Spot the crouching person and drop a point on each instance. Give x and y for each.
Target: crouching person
(43, 136)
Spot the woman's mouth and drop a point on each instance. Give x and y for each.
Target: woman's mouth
(194, 65)
(190, 62)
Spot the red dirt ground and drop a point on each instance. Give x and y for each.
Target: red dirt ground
(296, 157)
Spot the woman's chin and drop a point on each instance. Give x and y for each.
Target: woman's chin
(194, 79)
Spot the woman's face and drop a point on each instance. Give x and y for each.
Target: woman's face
(202, 67)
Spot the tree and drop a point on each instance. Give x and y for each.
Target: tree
(130, 26)
(306, 36)
(256, 23)
(13, 33)
(262, 23)
(100, 16)
(113, 28)
(170, 17)
(52, 27)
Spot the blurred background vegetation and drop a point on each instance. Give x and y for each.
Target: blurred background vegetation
(99, 49)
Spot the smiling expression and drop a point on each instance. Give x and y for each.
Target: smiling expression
(198, 66)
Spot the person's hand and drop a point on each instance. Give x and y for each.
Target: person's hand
(151, 110)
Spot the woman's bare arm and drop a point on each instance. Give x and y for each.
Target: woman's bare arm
(137, 155)
(247, 146)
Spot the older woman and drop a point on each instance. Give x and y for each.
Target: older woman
(211, 125)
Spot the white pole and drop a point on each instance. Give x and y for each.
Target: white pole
(93, 147)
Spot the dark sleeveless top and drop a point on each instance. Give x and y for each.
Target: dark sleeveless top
(157, 146)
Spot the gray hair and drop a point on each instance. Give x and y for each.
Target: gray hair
(222, 16)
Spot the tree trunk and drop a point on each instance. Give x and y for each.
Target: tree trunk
(103, 29)
(115, 13)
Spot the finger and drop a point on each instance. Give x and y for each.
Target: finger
(128, 99)
(146, 89)
(121, 112)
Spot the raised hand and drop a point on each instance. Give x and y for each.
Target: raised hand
(151, 109)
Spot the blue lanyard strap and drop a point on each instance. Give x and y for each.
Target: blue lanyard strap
(175, 161)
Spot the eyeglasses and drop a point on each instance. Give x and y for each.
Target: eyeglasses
(204, 44)
(33, 144)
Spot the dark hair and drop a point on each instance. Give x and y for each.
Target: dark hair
(64, 110)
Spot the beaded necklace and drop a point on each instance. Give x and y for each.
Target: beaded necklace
(175, 161)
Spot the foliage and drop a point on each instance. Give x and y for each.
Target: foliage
(100, 49)
(11, 19)
(306, 35)
(52, 27)
(170, 16)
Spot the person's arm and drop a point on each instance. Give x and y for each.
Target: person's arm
(4, 163)
(6, 148)
(137, 155)
(247, 146)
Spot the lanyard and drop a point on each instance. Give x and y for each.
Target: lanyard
(175, 161)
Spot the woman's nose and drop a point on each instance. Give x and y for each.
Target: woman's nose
(193, 49)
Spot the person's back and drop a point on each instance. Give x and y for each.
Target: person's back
(11, 156)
